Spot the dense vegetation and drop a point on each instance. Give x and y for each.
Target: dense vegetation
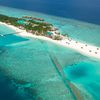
(7, 19)
(34, 25)
(38, 27)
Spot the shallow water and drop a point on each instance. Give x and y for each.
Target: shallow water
(81, 31)
(19, 59)
(29, 63)
(86, 73)
(5, 30)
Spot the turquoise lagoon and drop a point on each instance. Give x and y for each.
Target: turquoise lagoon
(86, 74)
(5, 30)
(9, 37)
(82, 31)
(28, 63)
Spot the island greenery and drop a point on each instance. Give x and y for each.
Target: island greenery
(33, 25)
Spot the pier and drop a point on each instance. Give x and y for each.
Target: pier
(3, 35)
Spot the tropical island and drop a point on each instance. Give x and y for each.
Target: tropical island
(29, 26)
(33, 25)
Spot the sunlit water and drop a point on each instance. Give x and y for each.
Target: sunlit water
(30, 71)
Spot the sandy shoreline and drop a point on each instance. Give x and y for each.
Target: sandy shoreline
(84, 49)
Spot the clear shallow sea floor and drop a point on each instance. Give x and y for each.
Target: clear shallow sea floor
(29, 70)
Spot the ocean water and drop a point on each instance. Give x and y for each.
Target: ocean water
(9, 37)
(9, 90)
(4, 30)
(29, 64)
(84, 10)
(86, 74)
(81, 31)
(38, 70)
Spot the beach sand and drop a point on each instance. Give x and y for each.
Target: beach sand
(83, 48)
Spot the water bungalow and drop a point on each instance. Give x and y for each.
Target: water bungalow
(33, 18)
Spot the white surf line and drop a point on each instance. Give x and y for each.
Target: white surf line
(85, 49)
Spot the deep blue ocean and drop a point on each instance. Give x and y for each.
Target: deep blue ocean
(84, 10)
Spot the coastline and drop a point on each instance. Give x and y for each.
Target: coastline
(85, 49)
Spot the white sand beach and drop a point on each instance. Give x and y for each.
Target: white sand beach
(85, 49)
